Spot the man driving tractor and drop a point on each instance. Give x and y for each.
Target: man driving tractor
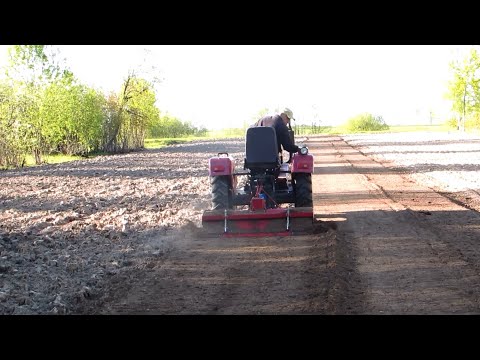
(281, 123)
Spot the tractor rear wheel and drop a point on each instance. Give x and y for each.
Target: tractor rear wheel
(221, 192)
(303, 190)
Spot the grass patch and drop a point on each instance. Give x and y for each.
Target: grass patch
(156, 143)
(397, 129)
(307, 130)
(51, 159)
(418, 128)
(226, 133)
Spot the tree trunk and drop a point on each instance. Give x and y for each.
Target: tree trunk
(38, 156)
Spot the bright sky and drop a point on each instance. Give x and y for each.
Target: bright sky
(227, 85)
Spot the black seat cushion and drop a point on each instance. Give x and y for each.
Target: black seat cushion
(261, 149)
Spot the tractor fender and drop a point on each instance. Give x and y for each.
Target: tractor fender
(302, 163)
(221, 165)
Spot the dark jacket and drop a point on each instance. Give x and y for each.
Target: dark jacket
(283, 138)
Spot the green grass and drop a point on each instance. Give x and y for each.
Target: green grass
(396, 129)
(226, 133)
(417, 128)
(300, 131)
(156, 143)
(51, 159)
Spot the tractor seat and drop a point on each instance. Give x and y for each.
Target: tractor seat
(261, 148)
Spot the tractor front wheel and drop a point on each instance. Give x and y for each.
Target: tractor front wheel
(303, 190)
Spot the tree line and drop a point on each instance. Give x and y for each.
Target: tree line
(45, 109)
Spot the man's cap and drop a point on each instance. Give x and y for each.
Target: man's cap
(288, 112)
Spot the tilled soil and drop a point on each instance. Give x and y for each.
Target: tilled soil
(66, 230)
(396, 229)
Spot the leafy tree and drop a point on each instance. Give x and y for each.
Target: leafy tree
(366, 122)
(130, 114)
(31, 69)
(11, 139)
(111, 123)
(35, 64)
(463, 89)
(75, 116)
(166, 126)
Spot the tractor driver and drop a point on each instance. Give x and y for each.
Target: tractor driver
(281, 123)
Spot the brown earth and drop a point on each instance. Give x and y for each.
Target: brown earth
(122, 235)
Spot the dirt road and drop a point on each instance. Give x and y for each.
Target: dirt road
(120, 235)
(404, 248)
(384, 244)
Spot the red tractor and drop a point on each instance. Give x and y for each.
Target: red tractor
(276, 198)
